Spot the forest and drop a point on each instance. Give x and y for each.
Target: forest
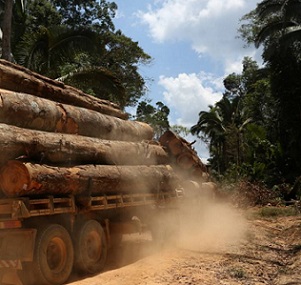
(253, 132)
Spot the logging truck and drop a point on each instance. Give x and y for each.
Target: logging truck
(75, 176)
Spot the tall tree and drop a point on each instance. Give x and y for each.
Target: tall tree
(157, 116)
(276, 25)
(6, 30)
(6, 25)
(88, 13)
(211, 129)
(76, 42)
(240, 128)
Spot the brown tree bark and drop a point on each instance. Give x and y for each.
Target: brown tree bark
(32, 112)
(20, 79)
(65, 149)
(26, 179)
(183, 158)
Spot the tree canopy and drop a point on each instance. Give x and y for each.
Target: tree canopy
(157, 117)
(76, 41)
(241, 128)
(276, 25)
(254, 131)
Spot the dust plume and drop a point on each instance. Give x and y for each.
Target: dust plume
(208, 225)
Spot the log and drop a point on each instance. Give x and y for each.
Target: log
(27, 179)
(19, 79)
(32, 112)
(66, 149)
(183, 158)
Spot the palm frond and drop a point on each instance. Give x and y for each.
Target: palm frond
(99, 80)
(245, 123)
(53, 46)
(291, 35)
(267, 9)
(292, 10)
(20, 6)
(273, 29)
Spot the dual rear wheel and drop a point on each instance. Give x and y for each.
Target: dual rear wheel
(90, 247)
(56, 253)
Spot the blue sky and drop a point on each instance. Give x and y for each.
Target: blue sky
(193, 44)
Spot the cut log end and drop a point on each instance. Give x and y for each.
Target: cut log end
(14, 177)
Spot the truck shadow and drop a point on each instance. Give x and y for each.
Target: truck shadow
(133, 247)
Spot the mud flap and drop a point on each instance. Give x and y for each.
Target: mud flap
(10, 277)
(16, 245)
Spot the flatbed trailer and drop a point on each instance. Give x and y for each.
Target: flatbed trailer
(43, 239)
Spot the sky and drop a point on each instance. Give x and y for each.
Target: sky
(194, 45)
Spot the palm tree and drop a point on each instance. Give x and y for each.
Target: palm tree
(212, 128)
(67, 55)
(46, 50)
(279, 25)
(223, 125)
(279, 31)
(97, 81)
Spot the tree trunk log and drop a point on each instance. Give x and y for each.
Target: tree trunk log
(20, 79)
(29, 111)
(26, 179)
(183, 158)
(65, 149)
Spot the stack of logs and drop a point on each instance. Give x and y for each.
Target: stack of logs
(184, 158)
(57, 140)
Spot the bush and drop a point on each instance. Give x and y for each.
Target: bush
(253, 194)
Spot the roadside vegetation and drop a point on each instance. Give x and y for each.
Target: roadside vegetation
(254, 131)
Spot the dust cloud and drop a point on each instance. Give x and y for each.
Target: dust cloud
(209, 226)
(198, 225)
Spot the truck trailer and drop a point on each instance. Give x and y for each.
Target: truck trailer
(75, 176)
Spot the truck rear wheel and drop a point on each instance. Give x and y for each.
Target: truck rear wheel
(53, 257)
(90, 247)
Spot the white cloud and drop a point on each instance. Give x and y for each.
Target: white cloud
(209, 25)
(188, 94)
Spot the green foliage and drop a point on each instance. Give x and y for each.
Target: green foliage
(123, 57)
(157, 117)
(41, 13)
(46, 50)
(266, 123)
(276, 25)
(180, 130)
(76, 42)
(76, 14)
(223, 125)
(242, 129)
(274, 212)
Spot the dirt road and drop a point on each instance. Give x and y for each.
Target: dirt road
(218, 246)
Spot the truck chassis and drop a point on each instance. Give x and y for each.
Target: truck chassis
(44, 239)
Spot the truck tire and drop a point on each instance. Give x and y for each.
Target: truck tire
(90, 246)
(53, 257)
